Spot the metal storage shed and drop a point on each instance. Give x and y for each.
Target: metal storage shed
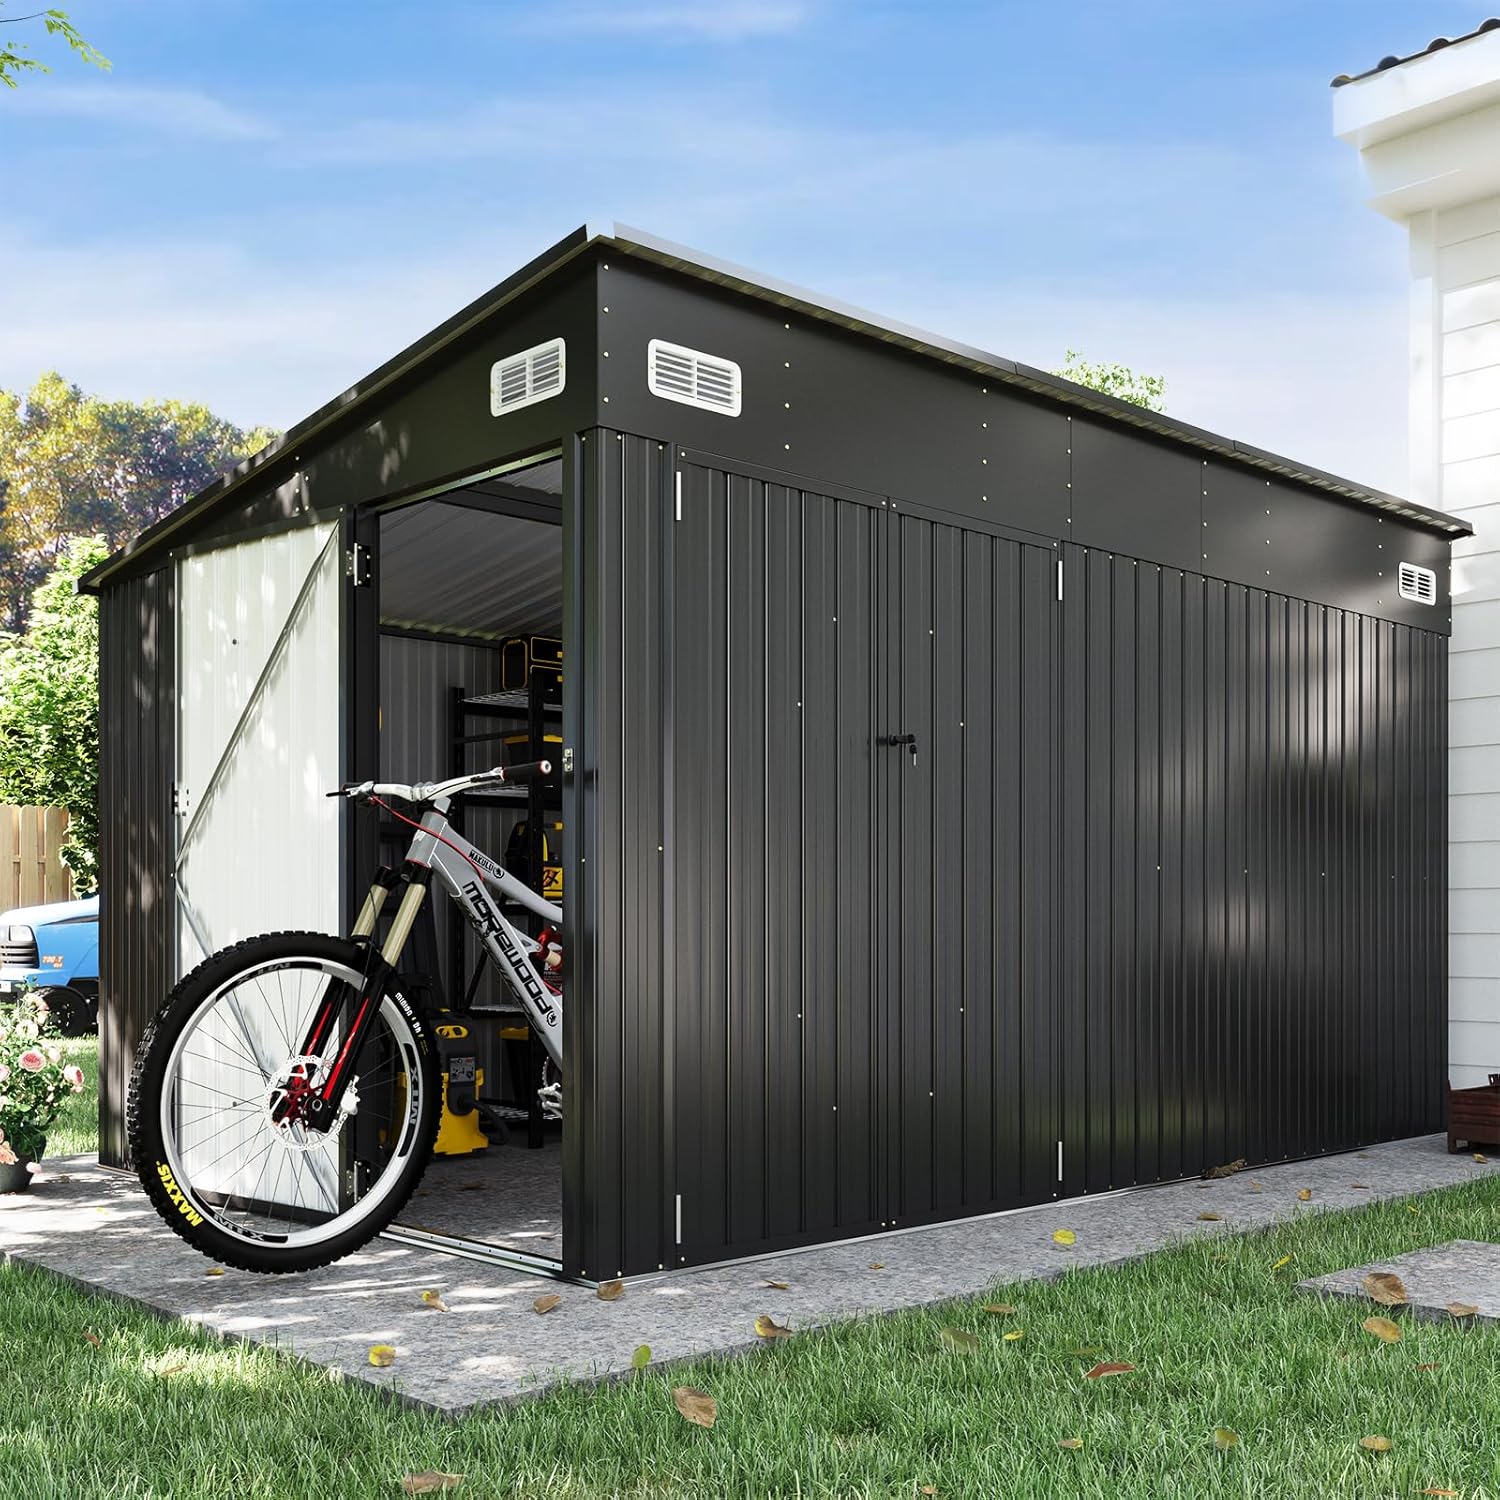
(1159, 884)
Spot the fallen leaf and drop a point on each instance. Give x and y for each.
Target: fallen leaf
(1074, 1442)
(1412, 1208)
(1064, 1237)
(1364, 1185)
(547, 1303)
(1285, 1260)
(1013, 1334)
(768, 1328)
(1210, 1217)
(1227, 1170)
(1462, 1309)
(1000, 1309)
(1386, 1288)
(927, 1489)
(641, 1358)
(1376, 1444)
(1433, 1490)
(92, 1337)
(1225, 1438)
(695, 1406)
(435, 1301)
(214, 1271)
(960, 1339)
(382, 1355)
(1304, 1195)
(1431, 1366)
(877, 1265)
(1478, 1156)
(172, 1370)
(779, 1286)
(610, 1291)
(1100, 1371)
(429, 1481)
(1383, 1329)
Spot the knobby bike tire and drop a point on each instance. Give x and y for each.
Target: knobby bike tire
(143, 1117)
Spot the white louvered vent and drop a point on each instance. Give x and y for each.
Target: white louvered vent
(1417, 584)
(532, 375)
(693, 377)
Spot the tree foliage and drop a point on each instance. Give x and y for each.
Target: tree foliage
(49, 707)
(77, 465)
(16, 58)
(1115, 380)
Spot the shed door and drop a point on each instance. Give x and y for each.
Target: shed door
(967, 836)
(258, 666)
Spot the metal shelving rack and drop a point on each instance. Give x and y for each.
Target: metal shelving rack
(536, 707)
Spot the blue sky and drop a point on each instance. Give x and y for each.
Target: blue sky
(266, 198)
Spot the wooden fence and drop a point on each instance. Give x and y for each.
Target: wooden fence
(31, 867)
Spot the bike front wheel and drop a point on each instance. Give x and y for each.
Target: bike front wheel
(217, 1160)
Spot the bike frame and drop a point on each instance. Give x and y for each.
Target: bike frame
(463, 871)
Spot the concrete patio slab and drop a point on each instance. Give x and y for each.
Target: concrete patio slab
(97, 1229)
(1462, 1271)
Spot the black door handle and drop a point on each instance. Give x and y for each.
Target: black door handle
(909, 740)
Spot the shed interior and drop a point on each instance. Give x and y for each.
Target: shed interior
(463, 577)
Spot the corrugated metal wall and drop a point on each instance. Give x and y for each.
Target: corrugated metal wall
(137, 920)
(417, 677)
(1164, 885)
(1254, 902)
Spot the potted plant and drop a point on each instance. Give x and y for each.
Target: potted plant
(34, 1082)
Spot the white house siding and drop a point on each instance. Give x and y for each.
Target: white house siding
(1460, 248)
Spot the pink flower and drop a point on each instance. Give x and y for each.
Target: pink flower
(4, 1072)
(74, 1076)
(32, 1060)
(7, 1156)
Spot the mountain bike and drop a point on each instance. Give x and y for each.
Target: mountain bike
(286, 1097)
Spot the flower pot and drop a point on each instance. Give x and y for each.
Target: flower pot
(15, 1177)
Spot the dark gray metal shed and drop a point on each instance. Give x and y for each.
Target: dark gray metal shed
(1162, 886)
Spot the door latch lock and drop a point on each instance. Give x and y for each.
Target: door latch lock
(567, 760)
(908, 740)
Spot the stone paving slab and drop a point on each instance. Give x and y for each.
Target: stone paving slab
(97, 1228)
(1466, 1271)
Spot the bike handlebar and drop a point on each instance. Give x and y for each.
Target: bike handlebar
(431, 791)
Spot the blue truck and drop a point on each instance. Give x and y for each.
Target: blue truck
(55, 949)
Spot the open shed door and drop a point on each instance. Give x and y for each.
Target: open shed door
(258, 740)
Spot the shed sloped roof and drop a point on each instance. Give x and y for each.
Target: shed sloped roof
(1435, 45)
(620, 239)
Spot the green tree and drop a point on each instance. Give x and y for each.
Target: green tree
(76, 465)
(16, 58)
(1119, 381)
(49, 707)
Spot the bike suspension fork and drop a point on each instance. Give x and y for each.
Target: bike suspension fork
(322, 1105)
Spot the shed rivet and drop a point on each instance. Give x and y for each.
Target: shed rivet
(606, 400)
(787, 446)
(606, 309)
(787, 405)
(606, 354)
(786, 364)
(984, 424)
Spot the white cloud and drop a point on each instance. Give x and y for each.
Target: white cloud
(687, 20)
(179, 112)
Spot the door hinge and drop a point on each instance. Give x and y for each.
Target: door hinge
(1059, 578)
(357, 565)
(679, 494)
(182, 800)
(679, 1218)
(567, 760)
(1059, 1161)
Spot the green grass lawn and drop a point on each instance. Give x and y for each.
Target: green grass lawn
(878, 1408)
(76, 1129)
